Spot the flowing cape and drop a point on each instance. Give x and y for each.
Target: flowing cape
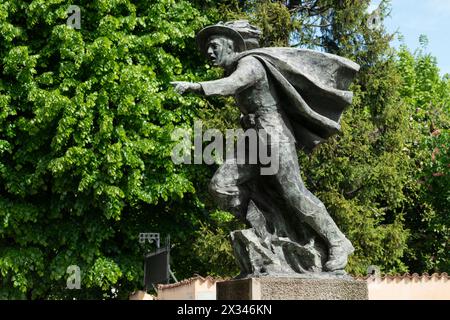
(313, 88)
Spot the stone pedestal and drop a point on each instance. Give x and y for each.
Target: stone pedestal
(277, 288)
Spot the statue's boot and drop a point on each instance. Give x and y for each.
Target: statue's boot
(339, 247)
(338, 255)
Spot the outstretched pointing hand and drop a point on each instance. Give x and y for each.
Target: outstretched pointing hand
(182, 87)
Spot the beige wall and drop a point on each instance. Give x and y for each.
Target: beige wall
(419, 288)
(406, 287)
(205, 290)
(190, 289)
(185, 292)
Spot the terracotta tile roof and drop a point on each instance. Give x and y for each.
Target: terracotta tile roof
(188, 281)
(407, 277)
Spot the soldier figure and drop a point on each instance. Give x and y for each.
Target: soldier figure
(297, 96)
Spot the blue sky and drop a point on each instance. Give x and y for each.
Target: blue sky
(430, 17)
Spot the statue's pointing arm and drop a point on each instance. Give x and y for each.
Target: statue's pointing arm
(249, 70)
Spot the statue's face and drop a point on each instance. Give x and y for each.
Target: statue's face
(220, 51)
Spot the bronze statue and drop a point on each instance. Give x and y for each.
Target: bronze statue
(297, 97)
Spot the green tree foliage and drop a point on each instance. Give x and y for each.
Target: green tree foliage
(85, 123)
(363, 174)
(274, 20)
(428, 96)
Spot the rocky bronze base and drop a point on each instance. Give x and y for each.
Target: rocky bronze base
(279, 288)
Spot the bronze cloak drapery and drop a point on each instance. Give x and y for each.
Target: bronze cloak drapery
(313, 88)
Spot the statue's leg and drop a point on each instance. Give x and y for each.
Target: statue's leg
(310, 208)
(228, 186)
(229, 191)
